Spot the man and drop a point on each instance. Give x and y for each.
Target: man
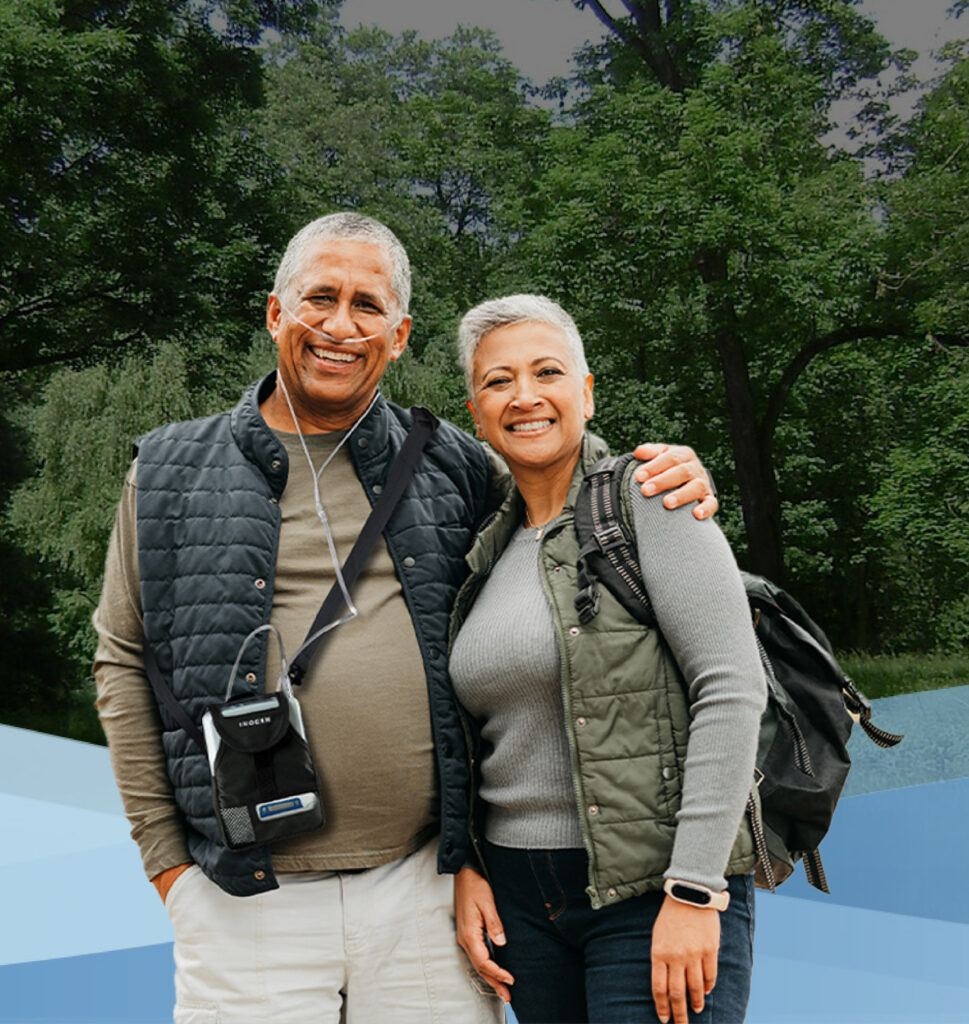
(224, 525)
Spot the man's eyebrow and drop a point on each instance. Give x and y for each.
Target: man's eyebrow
(332, 289)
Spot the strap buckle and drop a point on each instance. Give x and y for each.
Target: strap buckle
(586, 603)
(610, 537)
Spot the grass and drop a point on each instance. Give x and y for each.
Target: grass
(75, 718)
(883, 675)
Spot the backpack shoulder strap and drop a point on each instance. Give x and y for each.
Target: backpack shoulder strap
(607, 543)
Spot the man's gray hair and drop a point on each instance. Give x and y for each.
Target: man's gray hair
(351, 227)
(515, 309)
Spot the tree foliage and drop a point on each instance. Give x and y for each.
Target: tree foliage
(741, 283)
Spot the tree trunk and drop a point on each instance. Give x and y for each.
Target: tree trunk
(751, 447)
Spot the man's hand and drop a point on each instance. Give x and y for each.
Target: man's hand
(686, 941)
(474, 909)
(666, 466)
(166, 879)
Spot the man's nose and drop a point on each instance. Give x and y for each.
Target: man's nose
(339, 324)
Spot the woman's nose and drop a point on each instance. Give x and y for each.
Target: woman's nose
(526, 395)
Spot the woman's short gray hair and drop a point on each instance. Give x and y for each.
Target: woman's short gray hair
(351, 227)
(515, 309)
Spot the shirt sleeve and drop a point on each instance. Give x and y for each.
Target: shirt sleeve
(126, 704)
(701, 607)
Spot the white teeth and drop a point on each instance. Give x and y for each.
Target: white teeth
(525, 428)
(337, 357)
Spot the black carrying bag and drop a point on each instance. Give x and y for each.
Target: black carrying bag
(264, 783)
(802, 756)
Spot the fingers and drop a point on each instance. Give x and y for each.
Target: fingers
(708, 507)
(497, 978)
(667, 467)
(677, 986)
(476, 916)
(709, 970)
(695, 985)
(661, 989)
(669, 992)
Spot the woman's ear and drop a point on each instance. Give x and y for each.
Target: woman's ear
(588, 402)
(474, 415)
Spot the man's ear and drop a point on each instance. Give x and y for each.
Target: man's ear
(399, 342)
(273, 312)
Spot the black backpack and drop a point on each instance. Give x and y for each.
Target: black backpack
(802, 757)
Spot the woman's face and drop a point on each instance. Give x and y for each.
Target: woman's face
(528, 398)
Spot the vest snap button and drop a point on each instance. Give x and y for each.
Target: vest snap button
(260, 584)
(611, 894)
(274, 501)
(574, 631)
(409, 562)
(668, 773)
(250, 677)
(377, 489)
(362, 443)
(594, 809)
(580, 721)
(276, 463)
(259, 875)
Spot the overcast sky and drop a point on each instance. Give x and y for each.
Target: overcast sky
(540, 35)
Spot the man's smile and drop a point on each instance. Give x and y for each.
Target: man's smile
(334, 356)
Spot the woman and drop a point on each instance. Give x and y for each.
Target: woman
(603, 773)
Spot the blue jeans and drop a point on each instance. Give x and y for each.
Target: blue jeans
(575, 964)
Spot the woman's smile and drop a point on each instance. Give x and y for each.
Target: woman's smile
(530, 401)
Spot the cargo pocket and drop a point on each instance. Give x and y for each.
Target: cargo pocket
(197, 1015)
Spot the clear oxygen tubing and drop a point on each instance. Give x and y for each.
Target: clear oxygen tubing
(283, 682)
(329, 337)
(352, 611)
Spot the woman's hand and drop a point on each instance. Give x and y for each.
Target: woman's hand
(474, 909)
(686, 941)
(666, 466)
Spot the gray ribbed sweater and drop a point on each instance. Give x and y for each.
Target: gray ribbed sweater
(506, 671)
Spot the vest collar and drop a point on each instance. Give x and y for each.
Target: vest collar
(496, 531)
(260, 445)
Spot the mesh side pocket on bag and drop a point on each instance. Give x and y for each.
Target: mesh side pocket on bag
(238, 825)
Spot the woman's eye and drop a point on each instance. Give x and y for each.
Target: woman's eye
(550, 371)
(496, 382)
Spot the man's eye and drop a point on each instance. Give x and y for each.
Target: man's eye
(319, 300)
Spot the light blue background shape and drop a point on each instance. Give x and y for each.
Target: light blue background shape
(86, 939)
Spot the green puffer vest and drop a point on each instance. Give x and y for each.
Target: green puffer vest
(626, 711)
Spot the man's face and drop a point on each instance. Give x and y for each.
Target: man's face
(343, 289)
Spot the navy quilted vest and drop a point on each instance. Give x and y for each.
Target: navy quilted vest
(208, 526)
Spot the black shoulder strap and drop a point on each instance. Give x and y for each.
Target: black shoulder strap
(607, 546)
(424, 426)
(164, 695)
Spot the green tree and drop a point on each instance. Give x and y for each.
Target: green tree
(135, 200)
(704, 229)
(437, 139)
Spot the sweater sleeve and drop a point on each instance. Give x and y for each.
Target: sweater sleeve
(700, 605)
(126, 704)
